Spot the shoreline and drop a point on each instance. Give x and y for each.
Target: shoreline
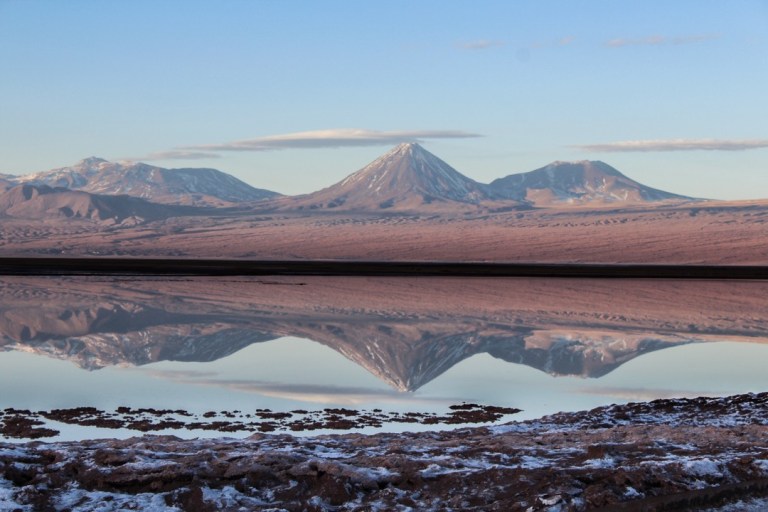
(670, 453)
(20, 425)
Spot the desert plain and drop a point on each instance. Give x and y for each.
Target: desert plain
(727, 233)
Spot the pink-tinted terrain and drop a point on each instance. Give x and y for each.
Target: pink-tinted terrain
(406, 205)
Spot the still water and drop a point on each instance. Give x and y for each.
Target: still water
(395, 344)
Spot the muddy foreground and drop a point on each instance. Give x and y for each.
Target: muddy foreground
(661, 455)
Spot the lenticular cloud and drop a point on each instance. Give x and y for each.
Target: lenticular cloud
(677, 145)
(333, 138)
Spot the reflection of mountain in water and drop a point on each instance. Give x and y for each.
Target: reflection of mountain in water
(408, 355)
(405, 331)
(121, 333)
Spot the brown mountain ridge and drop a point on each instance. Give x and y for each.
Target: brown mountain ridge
(40, 201)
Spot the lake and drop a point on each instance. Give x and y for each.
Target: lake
(219, 348)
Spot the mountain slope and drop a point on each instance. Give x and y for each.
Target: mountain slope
(6, 182)
(199, 187)
(406, 177)
(582, 182)
(43, 202)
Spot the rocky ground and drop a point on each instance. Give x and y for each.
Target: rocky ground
(661, 455)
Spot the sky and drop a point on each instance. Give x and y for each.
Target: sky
(293, 96)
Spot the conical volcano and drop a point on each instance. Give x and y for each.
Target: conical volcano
(408, 176)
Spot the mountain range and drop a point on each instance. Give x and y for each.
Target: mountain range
(407, 178)
(199, 187)
(407, 205)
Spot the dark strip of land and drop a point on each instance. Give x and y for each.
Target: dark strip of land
(229, 267)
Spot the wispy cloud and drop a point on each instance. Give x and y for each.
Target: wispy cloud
(334, 138)
(657, 40)
(563, 41)
(484, 44)
(480, 44)
(175, 155)
(676, 145)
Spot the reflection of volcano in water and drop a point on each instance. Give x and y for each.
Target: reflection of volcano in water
(405, 331)
(407, 356)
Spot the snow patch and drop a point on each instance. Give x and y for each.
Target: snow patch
(762, 465)
(7, 501)
(601, 463)
(529, 462)
(229, 497)
(435, 470)
(98, 501)
(703, 467)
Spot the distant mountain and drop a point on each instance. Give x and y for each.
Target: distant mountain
(585, 182)
(407, 177)
(44, 202)
(199, 187)
(410, 178)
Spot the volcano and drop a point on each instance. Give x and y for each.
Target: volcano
(584, 182)
(406, 177)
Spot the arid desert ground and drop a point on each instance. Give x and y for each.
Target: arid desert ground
(709, 232)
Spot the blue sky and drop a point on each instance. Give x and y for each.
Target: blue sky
(670, 93)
